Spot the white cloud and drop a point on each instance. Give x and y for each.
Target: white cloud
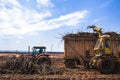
(71, 19)
(44, 3)
(13, 3)
(20, 37)
(19, 20)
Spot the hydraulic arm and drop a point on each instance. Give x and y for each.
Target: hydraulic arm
(96, 29)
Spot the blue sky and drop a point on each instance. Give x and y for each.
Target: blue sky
(26, 23)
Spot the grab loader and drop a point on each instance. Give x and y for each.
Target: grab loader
(104, 59)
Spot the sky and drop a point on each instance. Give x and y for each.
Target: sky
(31, 23)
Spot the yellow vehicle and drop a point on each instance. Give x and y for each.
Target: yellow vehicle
(103, 59)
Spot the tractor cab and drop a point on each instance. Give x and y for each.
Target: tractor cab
(103, 46)
(38, 50)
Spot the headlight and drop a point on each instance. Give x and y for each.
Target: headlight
(94, 60)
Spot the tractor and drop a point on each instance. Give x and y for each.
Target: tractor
(39, 55)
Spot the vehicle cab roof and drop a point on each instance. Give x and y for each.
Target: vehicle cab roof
(40, 47)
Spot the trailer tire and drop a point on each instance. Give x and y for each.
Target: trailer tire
(77, 61)
(70, 63)
(105, 66)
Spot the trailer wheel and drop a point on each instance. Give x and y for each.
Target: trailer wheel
(70, 63)
(77, 61)
(105, 66)
(44, 60)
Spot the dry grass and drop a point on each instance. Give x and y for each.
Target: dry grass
(25, 65)
(57, 72)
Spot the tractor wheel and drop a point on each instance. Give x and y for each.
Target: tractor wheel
(44, 60)
(70, 63)
(117, 67)
(105, 66)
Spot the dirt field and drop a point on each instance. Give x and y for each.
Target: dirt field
(66, 74)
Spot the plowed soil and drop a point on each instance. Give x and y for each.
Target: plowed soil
(79, 73)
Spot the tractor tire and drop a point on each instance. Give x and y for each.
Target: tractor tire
(105, 66)
(117, 67)
(44, 60)
(70, 63)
